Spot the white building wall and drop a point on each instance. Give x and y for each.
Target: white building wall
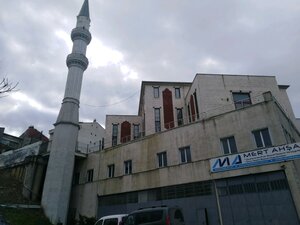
(90, 137)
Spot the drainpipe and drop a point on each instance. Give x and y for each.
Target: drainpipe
(218, 203)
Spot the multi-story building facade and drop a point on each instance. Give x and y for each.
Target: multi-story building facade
(195, 150)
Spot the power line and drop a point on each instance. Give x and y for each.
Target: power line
(115, 103)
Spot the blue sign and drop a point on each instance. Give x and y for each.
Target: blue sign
(256, 158)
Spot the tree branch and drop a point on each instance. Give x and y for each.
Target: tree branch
(6, 86)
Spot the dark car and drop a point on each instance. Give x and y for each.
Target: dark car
(159, 215)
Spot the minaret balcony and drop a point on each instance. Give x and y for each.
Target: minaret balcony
(76, 59)
(82, 34)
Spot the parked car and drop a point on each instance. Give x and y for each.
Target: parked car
(159, 215)
(112, 220)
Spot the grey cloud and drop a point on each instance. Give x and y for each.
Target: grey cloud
(159, 39)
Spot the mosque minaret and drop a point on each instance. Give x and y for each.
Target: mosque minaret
(58, 181)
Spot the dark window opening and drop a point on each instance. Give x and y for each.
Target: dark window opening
(157, 119)
(262, 138)
(162, 159)
(229, 145)
(185, 154)
(90, 174)
(241, 100)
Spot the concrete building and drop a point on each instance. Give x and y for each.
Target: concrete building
(229, 157)
(29, 136)
(224, 148)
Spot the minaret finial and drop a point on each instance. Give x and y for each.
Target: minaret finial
(85, 9)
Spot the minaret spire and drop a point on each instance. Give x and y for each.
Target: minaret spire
(85, 9)
(58, 181)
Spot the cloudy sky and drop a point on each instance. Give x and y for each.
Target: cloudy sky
(135, 40)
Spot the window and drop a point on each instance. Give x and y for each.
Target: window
(111, 221)
(136, 131)
(229, 145)
(177, 93)
(76, 178)
(262, 138)
(179, 117)
(241, 100)
(111, 170)
(115, 134)
(162, 159)
(102, 147)
(189, 112)
(90, 174)
(157, 119)
(196, 105)
(128, 167)
(185, 154)
(156, 92)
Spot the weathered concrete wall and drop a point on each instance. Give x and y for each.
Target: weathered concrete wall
(204, 141)
(84, 195)
(218, 119)
(34, 178)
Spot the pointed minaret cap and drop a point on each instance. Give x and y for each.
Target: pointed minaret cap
(85, 9)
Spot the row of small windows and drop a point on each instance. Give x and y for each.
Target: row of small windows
(195, 189)
(265, 186)
(185, 157)
(176, 92)
(240, 100)
(262, 139)
(172, 192)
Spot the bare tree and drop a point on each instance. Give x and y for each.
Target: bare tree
(6, 86)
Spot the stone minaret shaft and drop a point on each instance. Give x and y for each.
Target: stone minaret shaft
(58, 181)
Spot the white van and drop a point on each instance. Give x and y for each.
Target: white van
(112, 220)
